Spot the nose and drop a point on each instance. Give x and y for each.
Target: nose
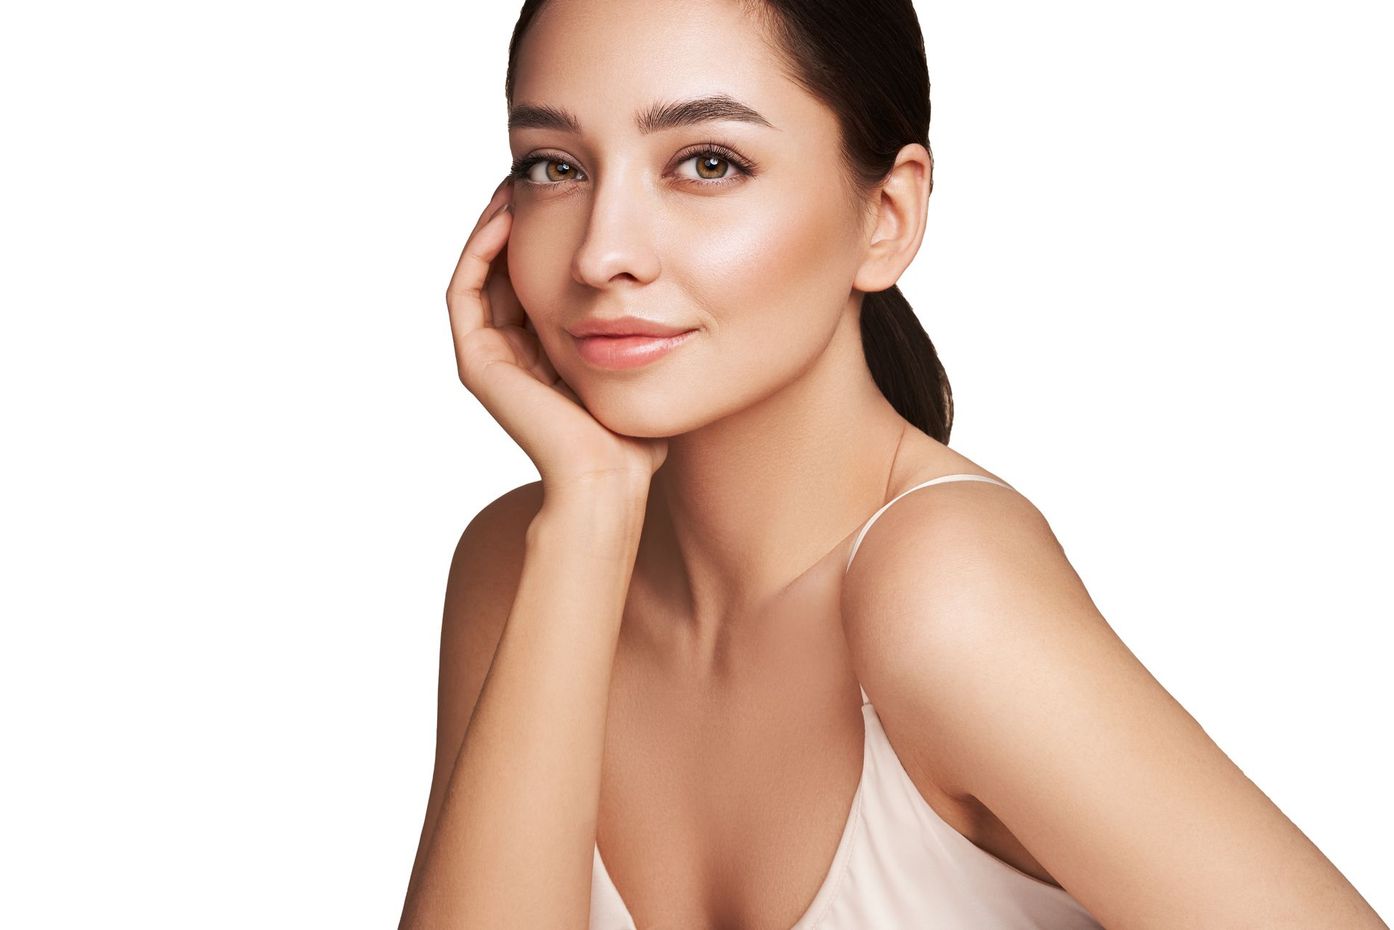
(619, 235)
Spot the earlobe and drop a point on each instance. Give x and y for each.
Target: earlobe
(900, 220)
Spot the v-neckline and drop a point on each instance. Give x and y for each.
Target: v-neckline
(823, 897)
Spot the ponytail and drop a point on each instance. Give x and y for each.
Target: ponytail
(904, 364)
(864, 59)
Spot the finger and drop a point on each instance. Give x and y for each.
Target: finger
(463, 296)
(528, 349)
(501, 195)
(544, 365)
(504, 307)
(565, 388)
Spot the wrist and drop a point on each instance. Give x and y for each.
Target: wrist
(593, 510)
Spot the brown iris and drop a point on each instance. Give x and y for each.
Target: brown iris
(551, 165)
(713, 163)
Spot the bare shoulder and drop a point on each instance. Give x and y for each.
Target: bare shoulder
(493, 540)
(483, 578)
(990, 664)
(940, 570)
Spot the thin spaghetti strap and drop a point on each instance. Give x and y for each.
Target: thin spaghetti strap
(884, 507)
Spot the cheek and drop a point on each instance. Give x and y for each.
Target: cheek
(538, 270)
(766, 275)
(772, 273)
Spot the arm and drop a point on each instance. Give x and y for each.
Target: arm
(479, 592)
(513, 840)
(982, 645)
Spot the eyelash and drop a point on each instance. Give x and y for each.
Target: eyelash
(744, 167)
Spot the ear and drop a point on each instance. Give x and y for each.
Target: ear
(901, 207)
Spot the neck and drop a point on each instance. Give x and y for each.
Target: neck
(746, 505)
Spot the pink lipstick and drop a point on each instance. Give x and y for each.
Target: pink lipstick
(623, 352)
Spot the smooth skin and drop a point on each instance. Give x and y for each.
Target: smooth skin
(662, 647)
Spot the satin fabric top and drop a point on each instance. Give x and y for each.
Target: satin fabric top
(898, 863)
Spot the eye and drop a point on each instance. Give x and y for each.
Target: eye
(717, 165)
(564, 170)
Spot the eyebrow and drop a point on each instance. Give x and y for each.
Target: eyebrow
(658, 117)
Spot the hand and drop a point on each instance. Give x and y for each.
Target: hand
(501, 361)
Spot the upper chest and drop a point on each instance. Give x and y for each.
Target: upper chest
(724, 798)
(724, 801)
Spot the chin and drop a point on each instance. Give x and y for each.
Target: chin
(642, 414)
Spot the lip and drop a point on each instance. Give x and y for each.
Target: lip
(623, 352)
(625, 326)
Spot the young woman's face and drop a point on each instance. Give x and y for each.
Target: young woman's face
(614, 220)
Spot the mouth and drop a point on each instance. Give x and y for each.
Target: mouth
(617, 353)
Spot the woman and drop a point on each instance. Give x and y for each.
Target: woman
(834, 673)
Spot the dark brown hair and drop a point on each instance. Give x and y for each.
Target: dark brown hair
(865, 60)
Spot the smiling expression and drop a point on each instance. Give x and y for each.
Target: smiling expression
(667, 168)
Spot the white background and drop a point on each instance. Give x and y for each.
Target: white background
(239, 456)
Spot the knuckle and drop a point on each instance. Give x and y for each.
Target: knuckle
(475, 355)
(456, 294)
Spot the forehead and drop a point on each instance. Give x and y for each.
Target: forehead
(607, 60)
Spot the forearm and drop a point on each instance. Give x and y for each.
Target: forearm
(514, 843)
